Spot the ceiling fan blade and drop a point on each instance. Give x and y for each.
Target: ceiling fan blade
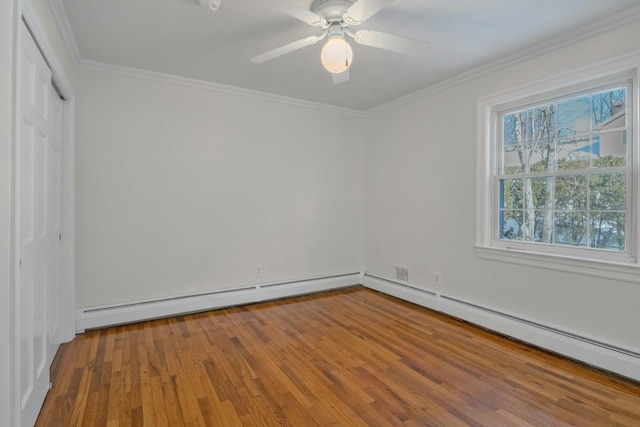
(392, 42)
(341, 77)
(287, 48)
(292, 9)
(362, 10)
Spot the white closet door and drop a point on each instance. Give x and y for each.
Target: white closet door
(35, 232)
(56, 294)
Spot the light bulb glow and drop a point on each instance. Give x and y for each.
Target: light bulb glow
(336, 55)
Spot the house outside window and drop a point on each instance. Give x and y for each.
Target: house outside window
(557, 169)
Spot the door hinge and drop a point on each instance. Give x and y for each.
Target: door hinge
(20, 264)
(60, 237)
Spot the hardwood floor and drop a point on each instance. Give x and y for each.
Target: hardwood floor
(346, 358)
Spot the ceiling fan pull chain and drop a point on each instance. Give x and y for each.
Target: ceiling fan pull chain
(346, 56)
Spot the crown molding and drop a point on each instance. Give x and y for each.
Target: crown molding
(572, 37)
(60, 15)
(216, 87)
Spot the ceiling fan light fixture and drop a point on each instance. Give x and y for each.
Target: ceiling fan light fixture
(336, 55)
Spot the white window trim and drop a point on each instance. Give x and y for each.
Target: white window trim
(620, 68)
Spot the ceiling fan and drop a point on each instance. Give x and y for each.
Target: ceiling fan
(335, 18)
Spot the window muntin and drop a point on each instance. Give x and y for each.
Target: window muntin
(564, 172)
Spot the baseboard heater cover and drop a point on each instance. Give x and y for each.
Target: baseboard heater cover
(571, 335)
(607, 356)
(131, 312)
(403, 284)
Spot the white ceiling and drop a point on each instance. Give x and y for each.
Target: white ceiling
(179, 37)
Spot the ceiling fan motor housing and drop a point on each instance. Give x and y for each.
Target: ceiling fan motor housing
(331, 10)
(335, 30)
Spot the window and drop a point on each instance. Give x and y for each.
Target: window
(558, 171)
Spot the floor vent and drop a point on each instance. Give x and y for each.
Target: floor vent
(402, 273)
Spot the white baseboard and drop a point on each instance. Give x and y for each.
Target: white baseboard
(610, 357)
(99, 317)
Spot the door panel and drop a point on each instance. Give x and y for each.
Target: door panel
(35, 231)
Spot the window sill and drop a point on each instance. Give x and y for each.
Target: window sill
(588, 267)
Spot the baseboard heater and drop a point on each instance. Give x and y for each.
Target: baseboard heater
(403, 284)
(131, 312)
(594, 352)
(159, 300)
(548, 328)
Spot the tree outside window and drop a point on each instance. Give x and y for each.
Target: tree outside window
(563, 177)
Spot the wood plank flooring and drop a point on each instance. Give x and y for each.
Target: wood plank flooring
(353, 357)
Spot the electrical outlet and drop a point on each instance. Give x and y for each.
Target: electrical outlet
(258, 269)
(437, 278)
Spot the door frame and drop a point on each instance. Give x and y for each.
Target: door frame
(28, 15)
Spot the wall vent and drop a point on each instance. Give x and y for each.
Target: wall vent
(402, 273)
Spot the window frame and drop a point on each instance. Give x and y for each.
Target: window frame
(498, 139)
(619, 71)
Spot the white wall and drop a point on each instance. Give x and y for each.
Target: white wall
(182, 189)
(420, 205)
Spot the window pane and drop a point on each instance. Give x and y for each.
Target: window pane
(543, 226)
(511, 225)
(510, 145)
(511, 194)
(509, 135)
(607, 230)
(574, 119)
(575, 155)
(529, 140)
(609, 149)
(538, 156)
(541, 155)
(511, 161)
(574, 151)
(571, 192)
(570, 228)
(609, 109)
(608, 191)
(540, 187)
